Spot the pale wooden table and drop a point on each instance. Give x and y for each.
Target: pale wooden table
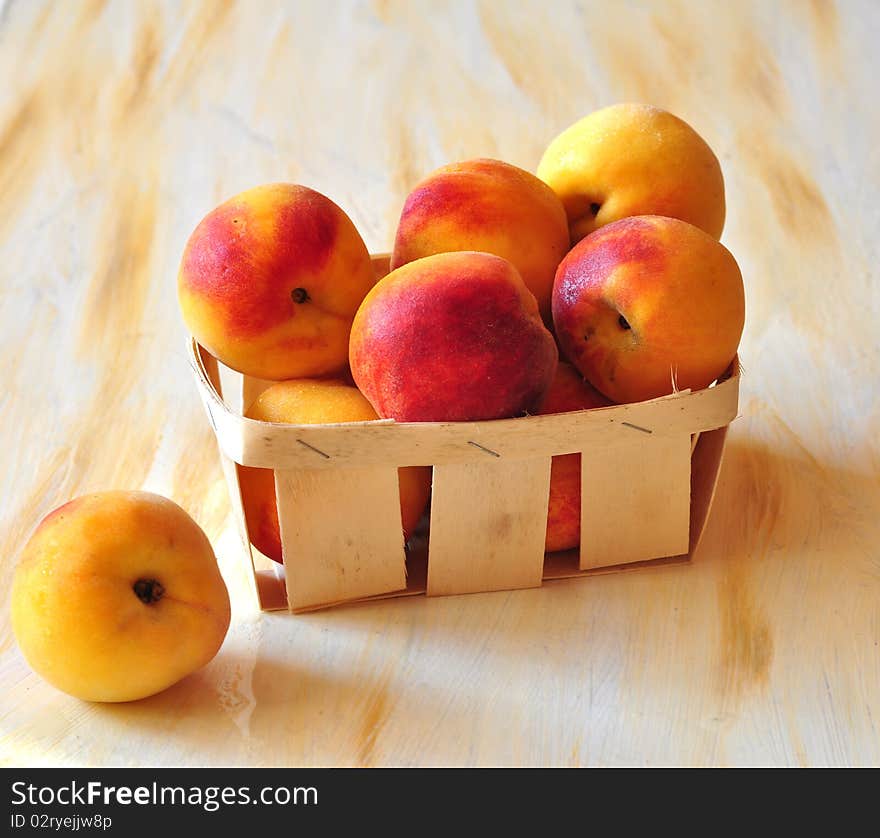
(121, 124)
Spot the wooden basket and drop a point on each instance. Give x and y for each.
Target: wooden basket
(648, 476)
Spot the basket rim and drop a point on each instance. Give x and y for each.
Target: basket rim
(274, 445)
(196, 358)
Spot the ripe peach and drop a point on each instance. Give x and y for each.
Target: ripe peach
(117, 596)
(489, 206)
(452, 337)
(634, 160)
(270, 281)
(649, 304)
(568, 392)
(311, 402)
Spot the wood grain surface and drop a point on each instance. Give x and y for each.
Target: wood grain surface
(122, 123)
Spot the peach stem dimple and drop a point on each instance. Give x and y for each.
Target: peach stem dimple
(148, 591)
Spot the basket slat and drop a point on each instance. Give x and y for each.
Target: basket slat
(488, 525)
(342, 534)
(635, 500)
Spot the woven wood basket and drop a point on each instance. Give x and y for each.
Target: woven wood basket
(649, 472)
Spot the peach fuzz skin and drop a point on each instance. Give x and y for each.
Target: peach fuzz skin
(568, 392)
(77, 616)
(647, 301)
(452, 337)
(270, 281)
(490, 206)
(312, 402)
(632, 159)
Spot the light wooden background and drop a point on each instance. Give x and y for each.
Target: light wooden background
(122, 123)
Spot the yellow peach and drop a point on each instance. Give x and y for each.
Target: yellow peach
(117, 596)
(634, 159)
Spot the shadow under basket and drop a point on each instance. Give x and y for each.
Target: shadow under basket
(648, 475)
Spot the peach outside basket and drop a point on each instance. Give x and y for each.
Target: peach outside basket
(649, 472)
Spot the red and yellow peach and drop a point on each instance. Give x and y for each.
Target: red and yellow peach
(648, 305)
(270, 281)
(490, 206)
(452, 337)
(568, 392)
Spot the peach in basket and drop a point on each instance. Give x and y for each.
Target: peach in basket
(270, 281)
(314, 402)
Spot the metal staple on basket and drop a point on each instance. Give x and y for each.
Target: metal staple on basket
(483, 448)
(312, 448)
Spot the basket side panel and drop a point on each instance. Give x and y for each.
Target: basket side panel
(341, 534)
(635, 500)
(488, 526)
(266, 585)
(705, 468)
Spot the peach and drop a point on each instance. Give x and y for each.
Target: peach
(270, 281)
(452, 337)
(117, 596)
(489, 206)
(634, 160)
(311, 402)
(568, 392)
(648, 305)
